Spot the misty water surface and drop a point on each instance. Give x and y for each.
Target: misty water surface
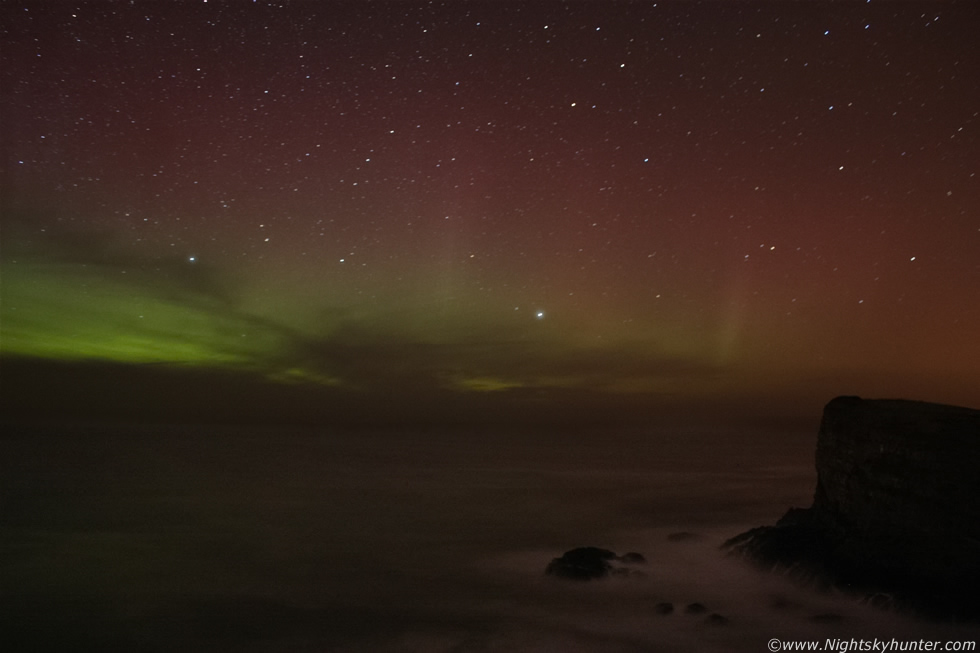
(209, 539)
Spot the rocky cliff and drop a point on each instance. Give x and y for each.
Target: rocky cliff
(896, 510)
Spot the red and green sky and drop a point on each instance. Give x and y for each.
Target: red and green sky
(697, 200)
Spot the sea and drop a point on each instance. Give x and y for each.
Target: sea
(264, 539)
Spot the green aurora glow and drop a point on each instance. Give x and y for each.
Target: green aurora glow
(702, 203)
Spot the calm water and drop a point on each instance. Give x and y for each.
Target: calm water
(205, 539)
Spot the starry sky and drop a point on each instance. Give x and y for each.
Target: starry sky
(589, 203)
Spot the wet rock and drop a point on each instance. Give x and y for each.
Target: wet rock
(778, 602)
(881, 600)
(589, 562)
(683, 536)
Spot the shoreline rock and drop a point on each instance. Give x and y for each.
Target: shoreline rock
(590, 562)
(896, 510)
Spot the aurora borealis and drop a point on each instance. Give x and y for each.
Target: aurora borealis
(627, 202)
(326, 324)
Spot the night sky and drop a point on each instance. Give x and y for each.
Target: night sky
(588, 203)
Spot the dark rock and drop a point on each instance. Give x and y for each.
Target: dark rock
(695, 608)
(664, 608)
(896, 510)
(584, 563)
(716, 619)
(881, 600)
(682, 536)
(589, 562)
(778, 602)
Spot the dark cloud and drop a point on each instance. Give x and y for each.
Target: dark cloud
(374, 359)
(40, 239)
(371, 353)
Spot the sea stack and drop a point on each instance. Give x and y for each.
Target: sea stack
(896, 509)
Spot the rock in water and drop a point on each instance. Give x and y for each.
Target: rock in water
(896, 509)
(589, 562)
